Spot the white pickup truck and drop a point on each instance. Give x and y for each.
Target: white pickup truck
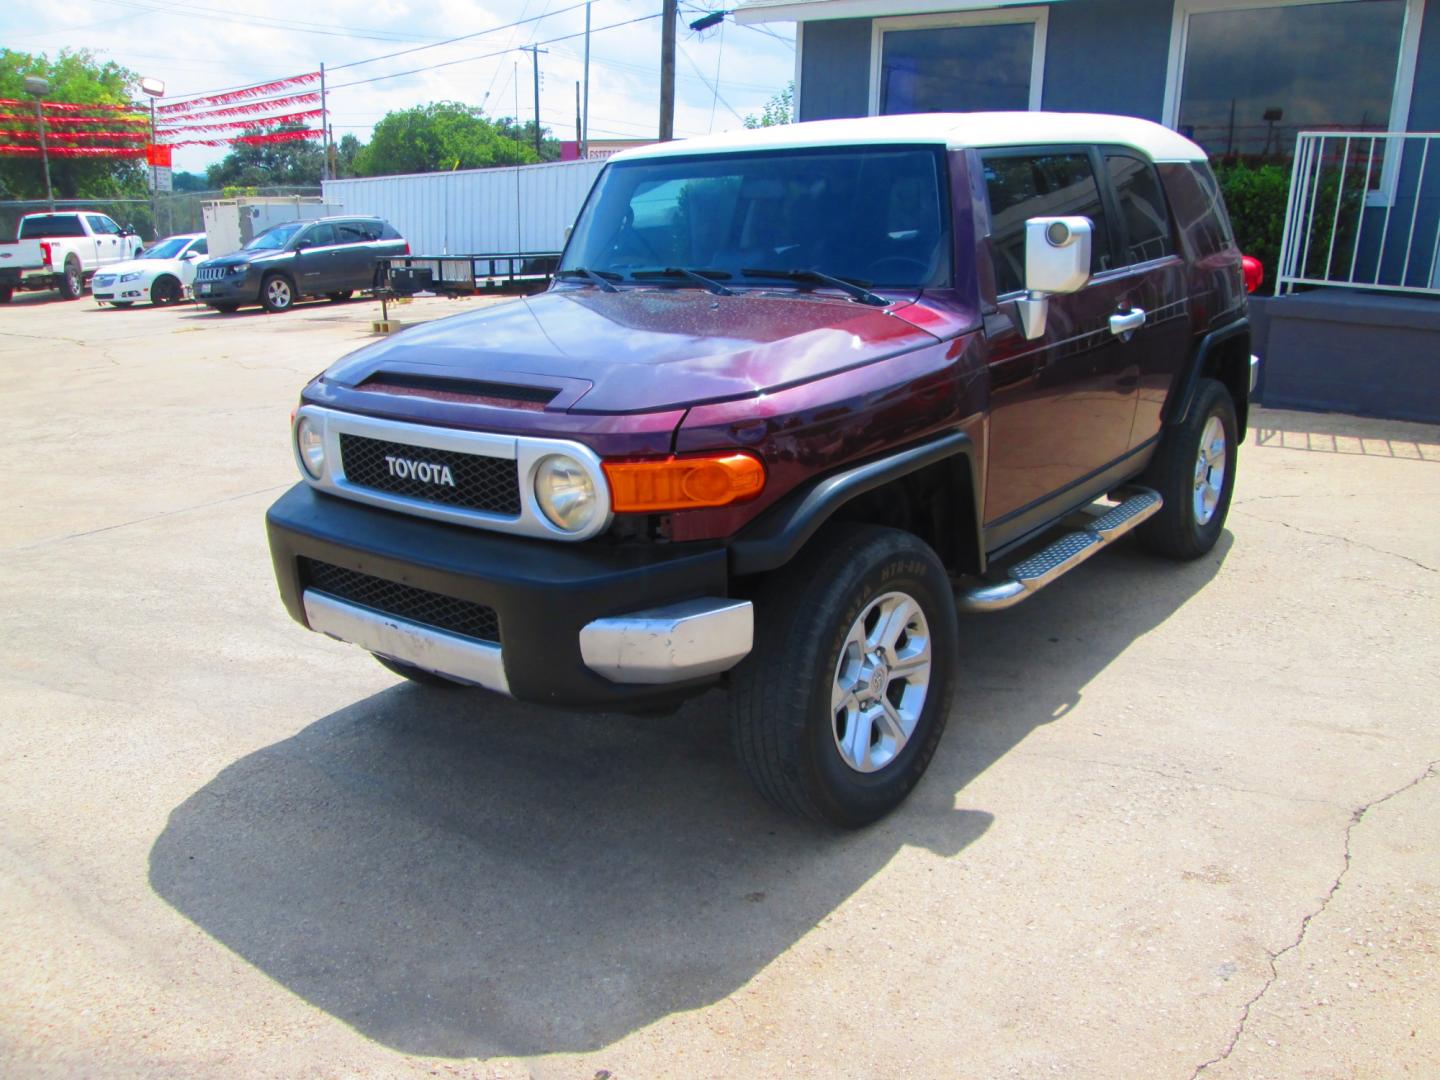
(62, 251)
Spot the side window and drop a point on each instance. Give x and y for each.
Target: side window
(1142, 208)
(320, 235)
(201, 246)
(353, 232)
(1023, 186)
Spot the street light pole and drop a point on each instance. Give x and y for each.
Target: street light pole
(153, 88)
(37, 88)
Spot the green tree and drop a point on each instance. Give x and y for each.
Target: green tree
(75, 75)
(780, 109)
(440, 137)
(189, 181)
(525, 133)
(346, 151)
(294, 162)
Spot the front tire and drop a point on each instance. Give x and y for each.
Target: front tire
(837, 711)
(72, 281)
(1194, 472)
(6, 292)
(277, 293)
(165, 291)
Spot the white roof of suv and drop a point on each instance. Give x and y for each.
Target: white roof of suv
(953, 130)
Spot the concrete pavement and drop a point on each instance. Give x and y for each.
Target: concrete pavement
(1185, 818)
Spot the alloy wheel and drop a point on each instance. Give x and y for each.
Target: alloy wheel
(1209, 470)
(881, 679)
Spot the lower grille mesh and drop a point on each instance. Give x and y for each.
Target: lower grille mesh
(463, 617)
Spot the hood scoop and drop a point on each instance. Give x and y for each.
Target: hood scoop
(461, 391)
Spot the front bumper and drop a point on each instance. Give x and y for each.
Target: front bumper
(228, 290)
(577, 625)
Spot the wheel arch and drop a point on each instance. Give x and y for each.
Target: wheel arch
(1223, 355)
(930, 489)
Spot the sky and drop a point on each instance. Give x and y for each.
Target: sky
(209, 45)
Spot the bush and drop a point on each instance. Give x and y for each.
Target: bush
(1255, 197)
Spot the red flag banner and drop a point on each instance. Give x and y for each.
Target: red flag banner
(75, 151)
(254, 121)
(52, 121)
(67, 106)
(158, 155)
(254, 140)
(258, 90)
(80, 136)
(248, 109)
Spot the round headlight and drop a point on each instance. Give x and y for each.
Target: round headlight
(311, 445)
(566, 493)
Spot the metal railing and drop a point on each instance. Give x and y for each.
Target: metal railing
(403, 275)
(1363, 212)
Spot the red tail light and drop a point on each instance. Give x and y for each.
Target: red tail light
(407, 247)
(1254, 272)
(45, 252)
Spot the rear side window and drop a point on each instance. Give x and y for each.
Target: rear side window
(48, 227)
(103, 225)
(1142, 207)
(356, 232)
(1023, 186)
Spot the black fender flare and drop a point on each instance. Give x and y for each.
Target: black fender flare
(1184, 395)
(780, 532)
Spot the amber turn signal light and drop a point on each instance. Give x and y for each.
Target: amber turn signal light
(683, 483)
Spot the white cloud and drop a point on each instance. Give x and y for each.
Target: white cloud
(196, 47)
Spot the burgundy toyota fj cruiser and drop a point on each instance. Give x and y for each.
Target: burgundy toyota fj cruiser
(796, 398)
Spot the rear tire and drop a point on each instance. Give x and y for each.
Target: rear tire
(165, 291)
(1194, 472)
(6, 292)
(819, 720)
(277, 293)
(72, 281)
(417, 675)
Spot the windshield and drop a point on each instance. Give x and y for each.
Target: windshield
(50, 227)
(275, 238)
(166, 249)
(871, 214)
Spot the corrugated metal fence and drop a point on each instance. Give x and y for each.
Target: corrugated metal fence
(505, 209)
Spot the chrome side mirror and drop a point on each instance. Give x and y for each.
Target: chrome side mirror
(1057, 261)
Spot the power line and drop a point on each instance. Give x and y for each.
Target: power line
(271, 22)
(491, 55)
(462, 37)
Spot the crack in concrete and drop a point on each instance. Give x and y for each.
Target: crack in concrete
(1356, 817)
(1347, 540)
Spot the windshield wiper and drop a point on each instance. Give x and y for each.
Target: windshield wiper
(853, 287)
(705, 278)
(602, 278)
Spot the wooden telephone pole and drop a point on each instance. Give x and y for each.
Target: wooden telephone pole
(535, 51)
(667, 70)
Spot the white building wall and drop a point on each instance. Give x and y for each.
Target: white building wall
(475, 211)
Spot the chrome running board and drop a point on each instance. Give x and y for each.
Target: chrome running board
(1032, 574)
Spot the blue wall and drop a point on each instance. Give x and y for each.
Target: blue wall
(835, 69)
(1107, 56)
(1100, 56)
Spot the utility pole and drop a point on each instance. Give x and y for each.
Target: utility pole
(325, 173)
(37, 88)
(579, 137)
(535, 51)
(667, 70)
(585, 114)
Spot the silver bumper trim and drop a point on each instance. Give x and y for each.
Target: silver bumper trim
(688, 640)
(433, 650)
(1254, 371)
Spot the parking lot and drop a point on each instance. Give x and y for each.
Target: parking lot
(1185, 818)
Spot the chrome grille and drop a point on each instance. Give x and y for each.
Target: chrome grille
(488, 484)
(210, 273)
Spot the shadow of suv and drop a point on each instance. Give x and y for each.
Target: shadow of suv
(331, 257)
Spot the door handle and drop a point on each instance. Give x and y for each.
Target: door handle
(1126, 323)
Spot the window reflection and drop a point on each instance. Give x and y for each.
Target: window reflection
(957, 68)
(1254, 78)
